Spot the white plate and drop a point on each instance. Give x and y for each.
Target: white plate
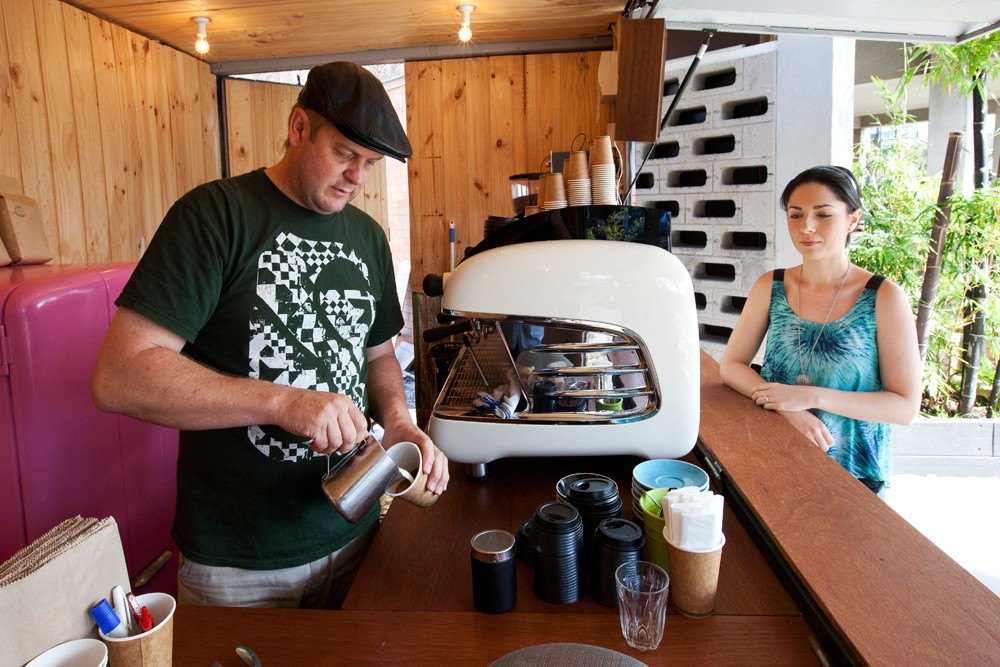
(74, 653)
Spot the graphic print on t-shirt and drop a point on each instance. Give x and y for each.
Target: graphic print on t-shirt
(308, 328)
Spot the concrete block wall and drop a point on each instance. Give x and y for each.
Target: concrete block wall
(713, 169)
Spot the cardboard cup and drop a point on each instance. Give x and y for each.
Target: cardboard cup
(555, 188)
(694, 579)
(577, 167)
(601, 151)
(153, 648)
(407, 457)
(543, 186)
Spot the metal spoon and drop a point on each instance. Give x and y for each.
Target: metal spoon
(247, 655)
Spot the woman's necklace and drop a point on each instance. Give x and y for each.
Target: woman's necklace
(803, 376)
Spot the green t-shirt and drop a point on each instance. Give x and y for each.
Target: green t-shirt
(261, 287)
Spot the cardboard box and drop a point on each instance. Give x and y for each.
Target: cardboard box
(21, 230)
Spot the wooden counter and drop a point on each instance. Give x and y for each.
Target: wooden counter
(419, 562)
(891, 595)
(420, 558)
(858, 569)
(295, 637)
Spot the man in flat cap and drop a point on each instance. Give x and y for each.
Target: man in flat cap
(259, 322)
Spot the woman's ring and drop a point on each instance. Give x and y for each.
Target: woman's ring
(767, 400)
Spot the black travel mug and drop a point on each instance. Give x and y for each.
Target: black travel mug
(494, 571)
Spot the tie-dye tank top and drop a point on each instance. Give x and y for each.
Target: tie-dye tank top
(846, 358)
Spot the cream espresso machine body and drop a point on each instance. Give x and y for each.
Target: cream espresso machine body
(573, 348)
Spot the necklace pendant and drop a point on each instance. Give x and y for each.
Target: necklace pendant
(803, 379)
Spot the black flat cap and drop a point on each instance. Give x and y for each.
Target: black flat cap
(354, 100)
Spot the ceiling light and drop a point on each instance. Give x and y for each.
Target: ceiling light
(465, 32)
(201, 41)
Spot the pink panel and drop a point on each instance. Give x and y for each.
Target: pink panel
(68, 452)
(13, 534)
(59, 455)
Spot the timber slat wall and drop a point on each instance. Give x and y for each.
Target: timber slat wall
(473, 123)
(105, 129)
(257, 126)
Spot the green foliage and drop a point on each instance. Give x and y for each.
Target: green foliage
(618, 227)
(899, 201)
(900, 205)
(959, 65)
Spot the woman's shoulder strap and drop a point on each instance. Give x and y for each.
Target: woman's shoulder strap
(779, 275)
(874, 282)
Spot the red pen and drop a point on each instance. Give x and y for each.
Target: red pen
(134, 606)
(146, 621)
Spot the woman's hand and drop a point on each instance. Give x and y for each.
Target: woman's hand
(793, 403)
(810, 426)
(783, 397)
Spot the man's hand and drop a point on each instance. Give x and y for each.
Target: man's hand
(332, 421)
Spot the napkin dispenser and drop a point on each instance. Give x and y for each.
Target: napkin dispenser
(585, 347)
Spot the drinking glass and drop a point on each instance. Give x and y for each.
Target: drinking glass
(642, 603)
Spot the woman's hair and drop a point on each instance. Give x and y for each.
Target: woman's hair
(840, 180)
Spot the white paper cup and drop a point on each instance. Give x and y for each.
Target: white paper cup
(407, 456)
(153, 648)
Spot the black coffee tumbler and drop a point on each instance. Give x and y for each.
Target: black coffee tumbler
(494, 571)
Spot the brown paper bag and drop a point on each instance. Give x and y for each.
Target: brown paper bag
(45, 597)
(21, 230)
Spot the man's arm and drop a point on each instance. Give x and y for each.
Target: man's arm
(141, 372)
(388, 406)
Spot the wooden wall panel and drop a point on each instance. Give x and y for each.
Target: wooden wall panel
(475, 122)
(87, 129)
(257, 125)
(239, 126)
(29, 112)
(70, 232)
(90, 149)
(10, 159)
(112, 130)
(130, 235)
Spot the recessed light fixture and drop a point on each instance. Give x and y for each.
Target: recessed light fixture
(465, 32)
(201, 41)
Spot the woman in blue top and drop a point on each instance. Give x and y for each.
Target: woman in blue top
(841, 361)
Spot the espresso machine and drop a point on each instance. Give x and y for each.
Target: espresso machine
(571, 347)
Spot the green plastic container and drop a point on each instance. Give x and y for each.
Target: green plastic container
(652, 518)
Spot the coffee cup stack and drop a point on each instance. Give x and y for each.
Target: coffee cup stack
(557, 540)
(603, 179)
(577, 175)
(616, 541)
(596, 498)
(555, 192)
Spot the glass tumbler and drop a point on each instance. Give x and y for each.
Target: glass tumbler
(642, 603)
